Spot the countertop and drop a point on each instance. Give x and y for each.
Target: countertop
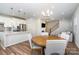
(13, 33)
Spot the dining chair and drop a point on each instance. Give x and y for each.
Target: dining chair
(55, 47)
(32, 45)
(65, 36)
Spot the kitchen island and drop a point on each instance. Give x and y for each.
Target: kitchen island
(11, 38)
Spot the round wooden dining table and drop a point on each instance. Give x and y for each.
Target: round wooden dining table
(41, 40)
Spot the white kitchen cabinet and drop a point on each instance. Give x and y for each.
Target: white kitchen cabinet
(11, 38)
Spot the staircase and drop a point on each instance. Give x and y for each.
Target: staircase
(52, 26)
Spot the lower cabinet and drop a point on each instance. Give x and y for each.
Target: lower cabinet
(13, 38)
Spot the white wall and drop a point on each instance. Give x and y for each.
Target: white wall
(76, 27)
(34, 26)
(10, 21)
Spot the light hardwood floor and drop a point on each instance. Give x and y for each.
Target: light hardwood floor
(72, 49)
(24, 49)
(18, 49)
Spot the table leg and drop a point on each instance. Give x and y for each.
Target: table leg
(43, 52)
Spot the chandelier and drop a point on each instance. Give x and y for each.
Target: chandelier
(47, 13)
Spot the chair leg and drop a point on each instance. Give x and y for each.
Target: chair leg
(41, 52)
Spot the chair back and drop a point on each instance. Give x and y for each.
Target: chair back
(55, 47)
(65, 36)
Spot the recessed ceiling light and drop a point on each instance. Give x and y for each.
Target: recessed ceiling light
(20, 10)
(11, 8)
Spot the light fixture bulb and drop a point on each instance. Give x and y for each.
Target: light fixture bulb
(51, 13)
(43, 13)
(47, 11)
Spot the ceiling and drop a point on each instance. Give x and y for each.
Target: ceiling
(28, 10)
